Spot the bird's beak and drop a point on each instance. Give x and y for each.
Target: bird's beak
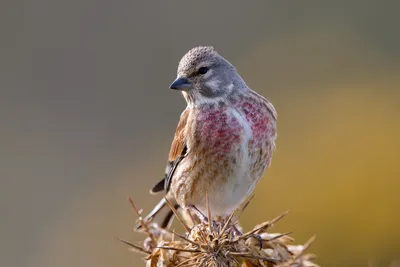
(181, 83)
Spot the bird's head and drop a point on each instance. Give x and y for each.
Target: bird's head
(205, 76)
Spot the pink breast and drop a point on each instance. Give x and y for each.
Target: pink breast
(218, 130)
(259, 119)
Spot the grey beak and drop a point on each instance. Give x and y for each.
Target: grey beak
(181, 84)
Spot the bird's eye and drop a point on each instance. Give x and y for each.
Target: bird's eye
(203, 70)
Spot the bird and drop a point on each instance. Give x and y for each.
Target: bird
(223, 142)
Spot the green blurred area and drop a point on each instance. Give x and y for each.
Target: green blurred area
(86, 119)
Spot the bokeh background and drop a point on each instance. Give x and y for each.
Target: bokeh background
(86, 119)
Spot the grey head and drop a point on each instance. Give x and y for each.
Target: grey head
(205, 76)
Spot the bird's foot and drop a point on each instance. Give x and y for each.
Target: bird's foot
(259, 239)
(199, 215)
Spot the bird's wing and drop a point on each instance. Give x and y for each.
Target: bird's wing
(177, 152)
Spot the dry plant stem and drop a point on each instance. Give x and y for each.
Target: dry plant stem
(181, 249)
(138, 214)
(226, 225)
(184, 238)
(208, 211)
(306, 246)
(264, 226)
(217, 243)
(177, 215)
(279, 236)
(134, 247)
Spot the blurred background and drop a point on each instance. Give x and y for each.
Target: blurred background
(86, 119)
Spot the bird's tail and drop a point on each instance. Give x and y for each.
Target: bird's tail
(161, 214)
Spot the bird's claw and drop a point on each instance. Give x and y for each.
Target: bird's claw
(259, 239)
(199, 214)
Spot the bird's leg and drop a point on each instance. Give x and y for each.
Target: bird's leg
(198, 213)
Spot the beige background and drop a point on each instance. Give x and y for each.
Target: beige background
(86, 119)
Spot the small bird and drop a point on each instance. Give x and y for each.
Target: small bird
(223, 142)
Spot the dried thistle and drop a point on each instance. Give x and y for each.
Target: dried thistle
(220, 243)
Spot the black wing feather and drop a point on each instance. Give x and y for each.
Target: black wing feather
(172, 168)
(165, 183)
(158, 187)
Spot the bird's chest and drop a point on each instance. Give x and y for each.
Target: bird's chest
(225, 149)
(261, 123)
(221, 148)
(220, 131)
(217, 131)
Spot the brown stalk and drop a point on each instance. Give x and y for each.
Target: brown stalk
(264, 226)
(186, 239)
(181, 249)
(177, 215)
(208, 211)
(142, 223)
(134, 247)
